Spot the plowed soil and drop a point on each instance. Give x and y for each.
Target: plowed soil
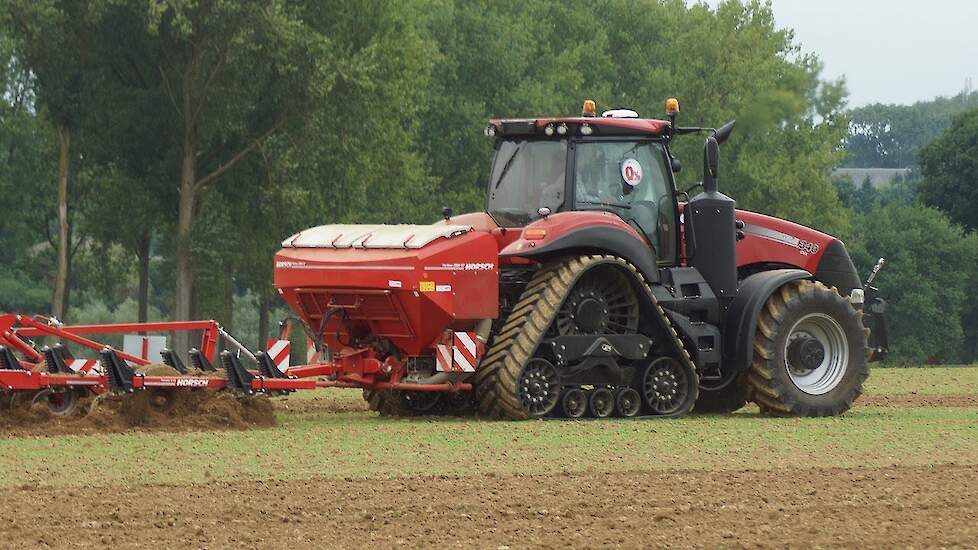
(803, 508)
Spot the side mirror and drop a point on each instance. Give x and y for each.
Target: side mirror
(675, 165)
(711, 164)
(724, 131)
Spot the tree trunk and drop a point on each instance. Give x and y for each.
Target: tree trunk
(185, 217)
(229, 299)
(263, 314)
(59, 306)
(142, 255)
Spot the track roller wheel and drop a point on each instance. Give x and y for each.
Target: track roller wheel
(669, 388)
(628, 402)
(602, 402)
(574, 403)
(810, 352)
(538, 387)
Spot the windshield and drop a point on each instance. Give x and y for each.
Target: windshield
(526, 175)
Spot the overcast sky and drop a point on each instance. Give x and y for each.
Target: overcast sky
(890, 51)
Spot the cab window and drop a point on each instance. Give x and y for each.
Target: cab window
(629, 178)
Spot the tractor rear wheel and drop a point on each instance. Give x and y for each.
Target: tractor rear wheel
(810, 352)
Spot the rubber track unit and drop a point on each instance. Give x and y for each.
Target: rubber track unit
(769, 390)
(517, 341)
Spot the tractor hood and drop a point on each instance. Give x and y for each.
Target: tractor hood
(406, 283)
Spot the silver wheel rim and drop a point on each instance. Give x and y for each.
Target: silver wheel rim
(827, 375)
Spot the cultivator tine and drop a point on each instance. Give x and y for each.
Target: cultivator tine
(62, 350)
(238, 378)
(55, 361)
(199, 361)
(267, 367)
(117, 371)
(8, 361)
(173, 361)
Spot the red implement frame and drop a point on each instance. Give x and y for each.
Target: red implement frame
(15, 328)
(351, 369)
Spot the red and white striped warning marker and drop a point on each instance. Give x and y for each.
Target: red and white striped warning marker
(83, 365)
(312, 354)
(279, 351)
(462, 356)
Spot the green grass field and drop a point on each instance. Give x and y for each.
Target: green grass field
(363, 445)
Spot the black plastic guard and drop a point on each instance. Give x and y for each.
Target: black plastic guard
(173, 361)
(199, 361)
(118, 373)
(238, 378)
(267, 367)
(55, 361)
(8, 361)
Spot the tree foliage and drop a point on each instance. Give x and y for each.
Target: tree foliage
(950, 168)
(890, 136)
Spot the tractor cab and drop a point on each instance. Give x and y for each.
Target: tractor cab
(617, 163)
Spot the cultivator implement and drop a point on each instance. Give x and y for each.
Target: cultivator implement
(29, 375)
(51, 375)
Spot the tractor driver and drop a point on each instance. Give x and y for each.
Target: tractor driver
(594, 185)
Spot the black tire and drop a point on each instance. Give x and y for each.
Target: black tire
(374, 399)
(574, 403)
(602, 402)
(628, 403)
(728, 399)
(788, 379)
(409, 403)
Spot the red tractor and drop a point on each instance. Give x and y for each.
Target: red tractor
(590, 286)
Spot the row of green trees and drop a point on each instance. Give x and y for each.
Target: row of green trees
(925, 225)
(153, 154)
